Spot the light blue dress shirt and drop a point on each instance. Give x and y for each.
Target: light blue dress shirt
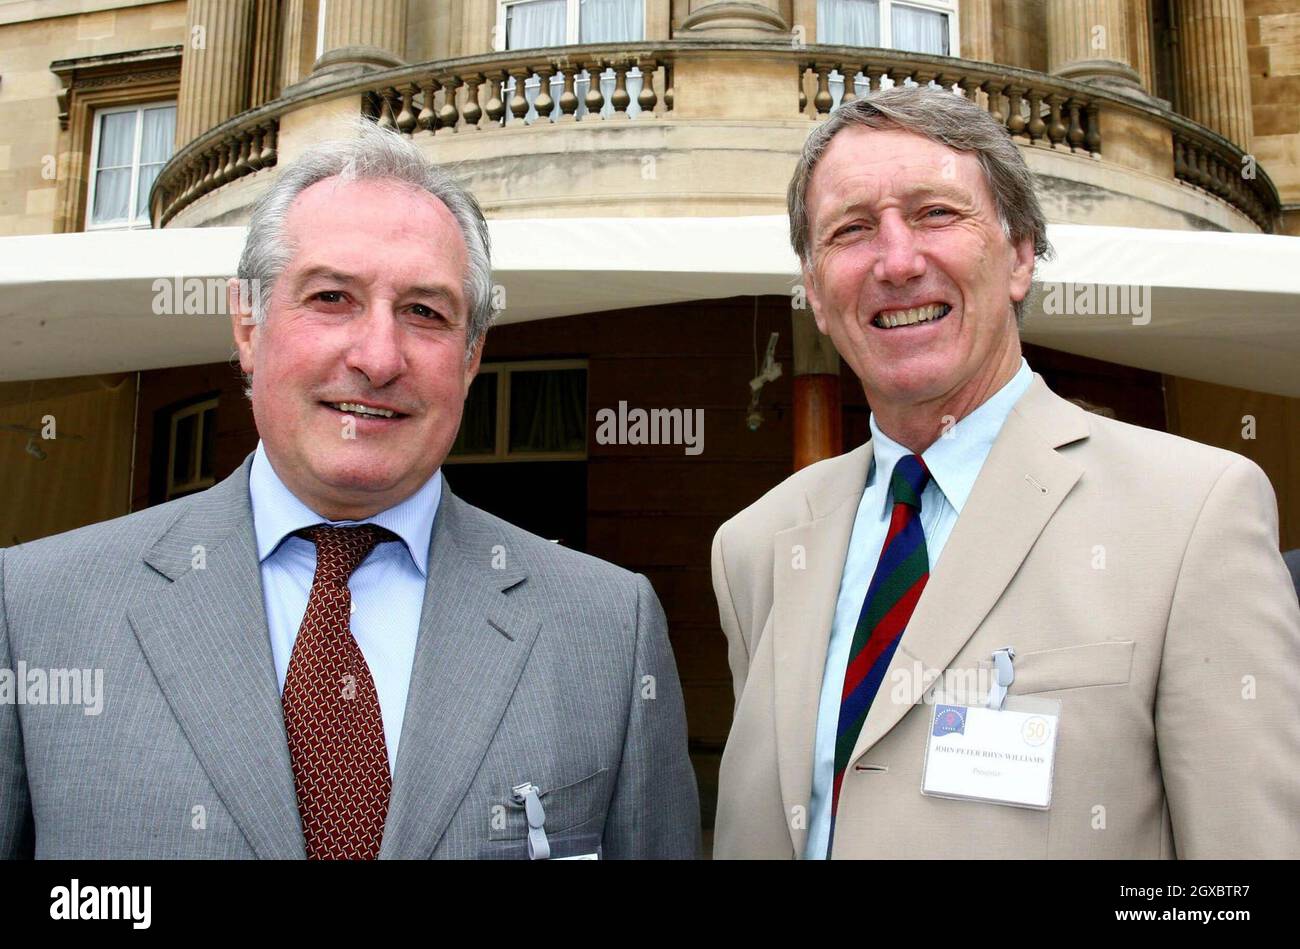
(387, 589)
(954, 462)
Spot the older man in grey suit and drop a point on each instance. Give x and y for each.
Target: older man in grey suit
(328, 654)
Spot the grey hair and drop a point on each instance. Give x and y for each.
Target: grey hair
(949, 119)
(375, 154)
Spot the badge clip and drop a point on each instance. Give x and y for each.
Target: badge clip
(1003, 675)
(539, 848)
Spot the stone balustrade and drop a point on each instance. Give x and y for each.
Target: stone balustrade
(531, 91)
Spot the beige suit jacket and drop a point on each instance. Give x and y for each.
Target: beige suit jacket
(1136, 574)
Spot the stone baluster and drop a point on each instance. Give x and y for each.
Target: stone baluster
(823, 101)
(620, 98)
(646, 98)
(495, 108)
(1015, 111)
(518, 102)
(545, 102)
(1093, 136)
(1074, 135)
(448, 114)
(1056, 128)
(595, 98)
(568, 97)
(472, 112)
(428, 117)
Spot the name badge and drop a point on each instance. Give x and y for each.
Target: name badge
(996, 755)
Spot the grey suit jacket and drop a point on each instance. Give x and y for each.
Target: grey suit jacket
(533, 664)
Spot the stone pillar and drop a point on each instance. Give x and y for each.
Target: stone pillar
(1140, 43)
(216, 64)
(298, 39)
(976, 18)
(1211, 62)
(734, 20)
(362, 35)
(1088, 40)
(265, 80)
(818, 415)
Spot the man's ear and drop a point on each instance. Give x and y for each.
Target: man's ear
(810, 294)
(240, 305)
(1022, 268)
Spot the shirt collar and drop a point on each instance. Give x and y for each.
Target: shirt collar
(955, 460)
(278, 512)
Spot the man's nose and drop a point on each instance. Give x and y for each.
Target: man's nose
(376, 348)
(898, 258)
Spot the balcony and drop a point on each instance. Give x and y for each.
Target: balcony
(687, 128)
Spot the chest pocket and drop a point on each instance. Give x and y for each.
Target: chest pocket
(1073, 667)
(567, 807)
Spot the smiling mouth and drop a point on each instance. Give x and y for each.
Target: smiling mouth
(893, 319)
(361, 410)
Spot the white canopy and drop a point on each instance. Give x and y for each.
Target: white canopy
(1213, 306)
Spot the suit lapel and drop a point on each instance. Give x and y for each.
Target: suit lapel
(808, 561)
(472, 647)
(205, 637)
(1023, 482)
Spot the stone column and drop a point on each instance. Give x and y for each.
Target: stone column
(265, 81)
(1140, 43)
(363, 34)
(977, 24)
(1088, 40)
(818, 414)
(298, 39)
(734, 20)
(1212, 70)
(215, 65)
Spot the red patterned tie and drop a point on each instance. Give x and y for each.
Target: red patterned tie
(331, 709)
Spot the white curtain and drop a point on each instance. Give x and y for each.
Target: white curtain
(848, 22)
(611, 21)
(113, 167)
(156, 144)
(535, 23)
(921, 31)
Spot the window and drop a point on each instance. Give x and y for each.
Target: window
(129, 147)
(541, 24)
(191, 441)
(920, 26)
(532, 24)
(527, 411)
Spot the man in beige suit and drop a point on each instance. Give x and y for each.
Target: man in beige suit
(1136, 576)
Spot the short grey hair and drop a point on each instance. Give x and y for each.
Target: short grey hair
(949, 119)
(375, 154)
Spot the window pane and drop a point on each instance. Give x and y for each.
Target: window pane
(148, 174)
(920, 31)
(535, 23)
(116, 140)
(112, 193)
(183, 450)
(206, 465)
(611, 21)
(159, 137)
(848, 22)
(548, 410)
(478, 426)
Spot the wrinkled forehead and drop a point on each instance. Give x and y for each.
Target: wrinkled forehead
(870, 166)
